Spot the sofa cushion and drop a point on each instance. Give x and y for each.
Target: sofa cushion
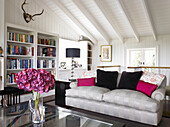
(129, 80)
(145, 87)
(153, 78)
(88, 92)
(133, 99)
(107, 79)
(86, 81)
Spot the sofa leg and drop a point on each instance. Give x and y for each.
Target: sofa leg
(154, 126)
(67, 107)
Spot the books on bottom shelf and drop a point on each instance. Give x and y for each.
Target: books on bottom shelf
(45, 63)
(53, 72)
(14, 63)
(11, 78)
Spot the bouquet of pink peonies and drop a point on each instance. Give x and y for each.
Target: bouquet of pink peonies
(35, 80)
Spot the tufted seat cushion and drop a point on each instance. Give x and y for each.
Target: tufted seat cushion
(133, 99)
(87, 92)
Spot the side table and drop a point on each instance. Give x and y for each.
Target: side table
(60, 88)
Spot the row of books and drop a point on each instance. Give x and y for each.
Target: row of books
(46, 51)
(20, 50)
(11, 78)
(14, 63)
(45, 63)
(52, 72)
(47, 41)
(20, 37)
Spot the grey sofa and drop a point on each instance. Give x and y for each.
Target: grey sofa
(123, 103)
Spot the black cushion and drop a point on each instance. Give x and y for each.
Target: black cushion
(129, 80)
(107, 79)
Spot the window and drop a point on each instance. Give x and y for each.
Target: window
(141, 56)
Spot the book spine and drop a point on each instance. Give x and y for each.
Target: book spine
(50, 63)
(12, 36)
(21, 63)
(15, 35)
(18, 63)
(32, 51)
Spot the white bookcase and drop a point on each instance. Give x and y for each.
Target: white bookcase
(32, 56)
(54, 46)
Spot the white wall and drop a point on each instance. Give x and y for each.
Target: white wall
(47, 22)
(63, 44)
(119, 51)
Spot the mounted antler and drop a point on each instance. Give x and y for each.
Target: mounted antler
(27, 16)
(38, 14)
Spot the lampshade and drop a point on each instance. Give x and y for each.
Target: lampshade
(72, 52)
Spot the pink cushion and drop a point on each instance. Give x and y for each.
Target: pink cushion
(145, 87)
(86, 82)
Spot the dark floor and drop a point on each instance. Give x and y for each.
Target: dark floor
(165, 122)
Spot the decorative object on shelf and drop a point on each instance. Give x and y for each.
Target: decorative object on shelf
(26, 15)
(106, 53)
(72, 53)
(63, 65)
(1, 51)
(37, 81)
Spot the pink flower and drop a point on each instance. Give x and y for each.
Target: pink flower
(38, 80)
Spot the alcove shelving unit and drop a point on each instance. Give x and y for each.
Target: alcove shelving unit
(21, 46)
(19, 51)
(89, 57)
(47, 51)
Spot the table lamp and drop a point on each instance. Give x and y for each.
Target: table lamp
(72, 53)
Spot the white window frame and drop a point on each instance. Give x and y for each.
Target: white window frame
(142, 49)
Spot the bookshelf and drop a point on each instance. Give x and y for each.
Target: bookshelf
(22, 46)
(19, 51)
(89, 57)
(47, 51)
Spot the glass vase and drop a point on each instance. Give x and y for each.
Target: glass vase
(37, 109)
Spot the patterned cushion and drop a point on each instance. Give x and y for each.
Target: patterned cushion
(133, 99)
(88, 92)
(152, 78)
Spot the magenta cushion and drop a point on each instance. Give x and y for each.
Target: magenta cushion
(86, 82)
(145, 87)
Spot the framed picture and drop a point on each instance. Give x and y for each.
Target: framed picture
(106, 53)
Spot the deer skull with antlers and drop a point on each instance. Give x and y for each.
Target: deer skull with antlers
(27, 16)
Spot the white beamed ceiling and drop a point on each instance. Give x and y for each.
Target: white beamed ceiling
(96, 24)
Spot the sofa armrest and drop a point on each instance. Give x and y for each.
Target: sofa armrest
(73, 85)
(158, 94)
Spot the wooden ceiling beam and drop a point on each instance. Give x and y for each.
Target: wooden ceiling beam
(92, 20)
(109, 19)
(74, 20)
(132, 27)
(149, 18)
